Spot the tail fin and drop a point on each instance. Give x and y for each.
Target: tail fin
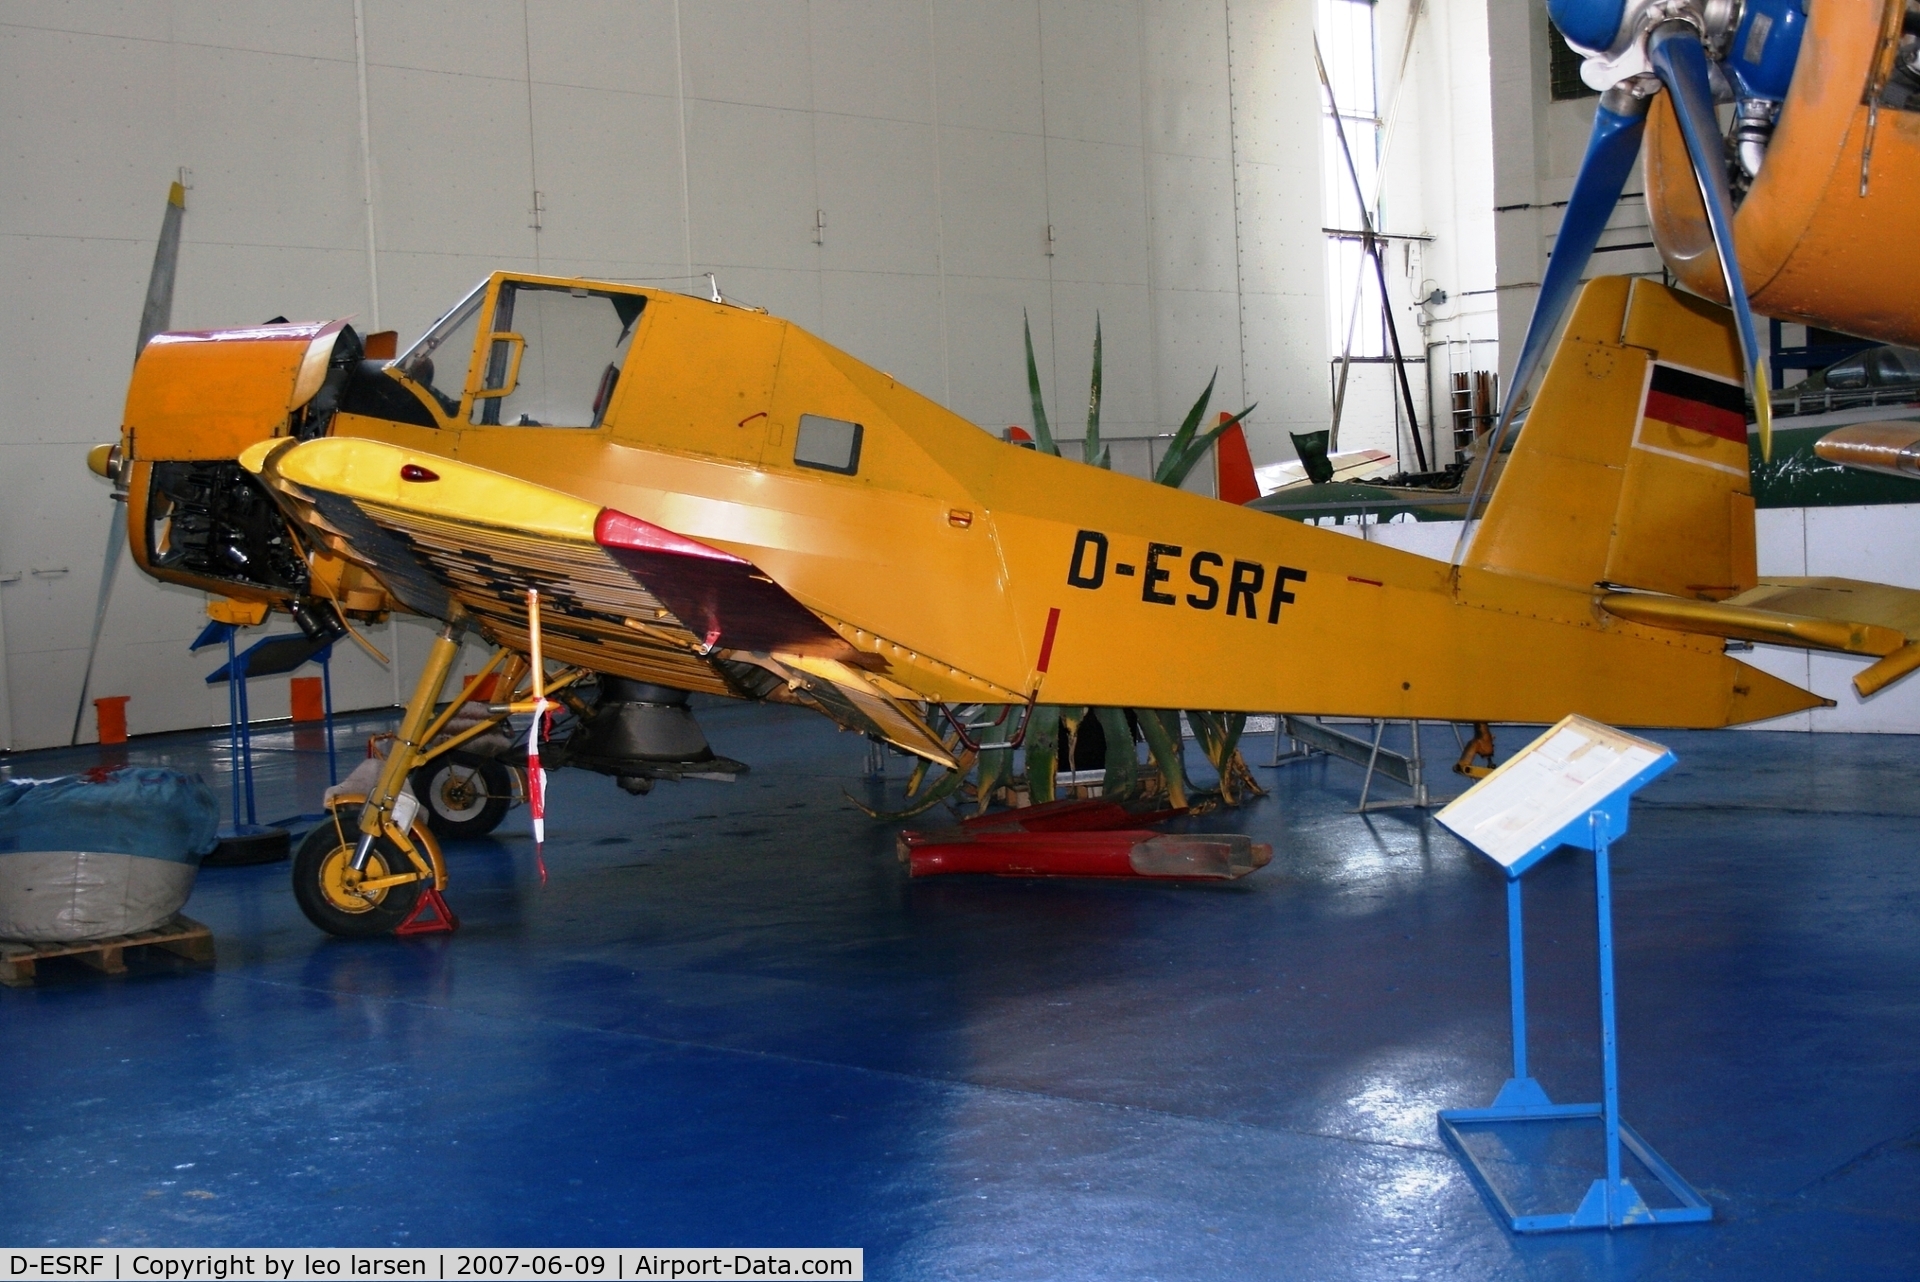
(1632, 466)
(1233, 467)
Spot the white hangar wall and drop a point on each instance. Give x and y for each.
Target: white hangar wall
(1170, 145)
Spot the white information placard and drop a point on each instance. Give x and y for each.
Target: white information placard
(1539, 799)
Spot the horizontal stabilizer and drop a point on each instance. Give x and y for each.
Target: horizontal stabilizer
(1844, 615)
(1745, 623)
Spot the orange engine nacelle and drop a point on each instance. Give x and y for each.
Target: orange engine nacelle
(194, 516)
(1818, 243)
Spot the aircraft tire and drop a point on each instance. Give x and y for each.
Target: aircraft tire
(463, 796)
(316, 885)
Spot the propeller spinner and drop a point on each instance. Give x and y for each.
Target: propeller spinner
(1697, 51)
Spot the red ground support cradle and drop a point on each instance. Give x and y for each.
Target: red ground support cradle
(1125, 852)
(444, 922)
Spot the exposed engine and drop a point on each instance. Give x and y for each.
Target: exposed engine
(214, 519)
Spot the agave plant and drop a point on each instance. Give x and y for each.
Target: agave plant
(987, 759)
(1188, 446)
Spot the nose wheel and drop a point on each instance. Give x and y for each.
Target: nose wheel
(336, 898)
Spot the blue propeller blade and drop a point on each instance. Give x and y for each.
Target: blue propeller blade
(1681, 64)
(1611, 150)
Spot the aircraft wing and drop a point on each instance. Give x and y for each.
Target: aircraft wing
(618, 594)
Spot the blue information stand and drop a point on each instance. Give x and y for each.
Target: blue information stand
(1587, 809)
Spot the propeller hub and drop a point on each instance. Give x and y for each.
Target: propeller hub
(104, 460)
(1614, 33)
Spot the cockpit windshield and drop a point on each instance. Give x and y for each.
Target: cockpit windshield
(438, 362)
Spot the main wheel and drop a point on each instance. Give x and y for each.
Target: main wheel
(319, 883)
(463, 796)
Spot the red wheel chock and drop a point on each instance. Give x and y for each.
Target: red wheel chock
(443, 922)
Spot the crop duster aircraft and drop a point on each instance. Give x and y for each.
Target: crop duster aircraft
(708, 498)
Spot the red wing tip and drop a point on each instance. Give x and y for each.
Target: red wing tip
(614, 529)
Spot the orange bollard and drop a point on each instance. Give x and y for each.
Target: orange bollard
(308, 701)
(111, 714)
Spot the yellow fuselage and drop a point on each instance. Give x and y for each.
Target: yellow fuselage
(947, 553)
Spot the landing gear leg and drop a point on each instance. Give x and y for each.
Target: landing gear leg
(354, 885)
(1480, 747)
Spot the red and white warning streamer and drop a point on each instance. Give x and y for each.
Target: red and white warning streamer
(536, 776)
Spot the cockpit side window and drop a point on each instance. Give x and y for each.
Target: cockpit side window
(1848, 375)
(438, 362)
(1896, 365)
(555, 356)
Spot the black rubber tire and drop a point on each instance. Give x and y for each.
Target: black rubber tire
(463, 796)
(310, 867)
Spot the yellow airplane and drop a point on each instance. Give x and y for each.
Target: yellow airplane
(708, 498)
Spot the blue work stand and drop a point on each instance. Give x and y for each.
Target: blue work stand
(267, 657)
(1522, 1105)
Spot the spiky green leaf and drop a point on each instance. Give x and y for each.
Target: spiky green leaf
(1166, 751)
(945, 787)
(1043, 751)
(1042, 434)
(1174, 471)
(1177, 447)
(996, 768)
(1091, 450)
(1123, 767)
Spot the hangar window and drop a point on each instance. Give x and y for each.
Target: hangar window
(828, 444)
(1346, 36)
(554, 356)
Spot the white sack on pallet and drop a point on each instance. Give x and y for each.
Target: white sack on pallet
(101, 854)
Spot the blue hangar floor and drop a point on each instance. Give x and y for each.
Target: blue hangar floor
(730, 1019)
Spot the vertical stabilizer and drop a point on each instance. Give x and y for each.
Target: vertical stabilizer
(1632, 465)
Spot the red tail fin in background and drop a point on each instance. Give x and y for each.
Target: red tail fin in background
(1233, 466)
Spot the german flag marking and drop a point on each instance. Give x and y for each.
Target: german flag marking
(1695, 401)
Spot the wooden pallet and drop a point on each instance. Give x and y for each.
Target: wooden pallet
(181, 936)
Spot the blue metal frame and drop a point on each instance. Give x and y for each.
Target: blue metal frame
(236, 672)
(1611, 1202)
